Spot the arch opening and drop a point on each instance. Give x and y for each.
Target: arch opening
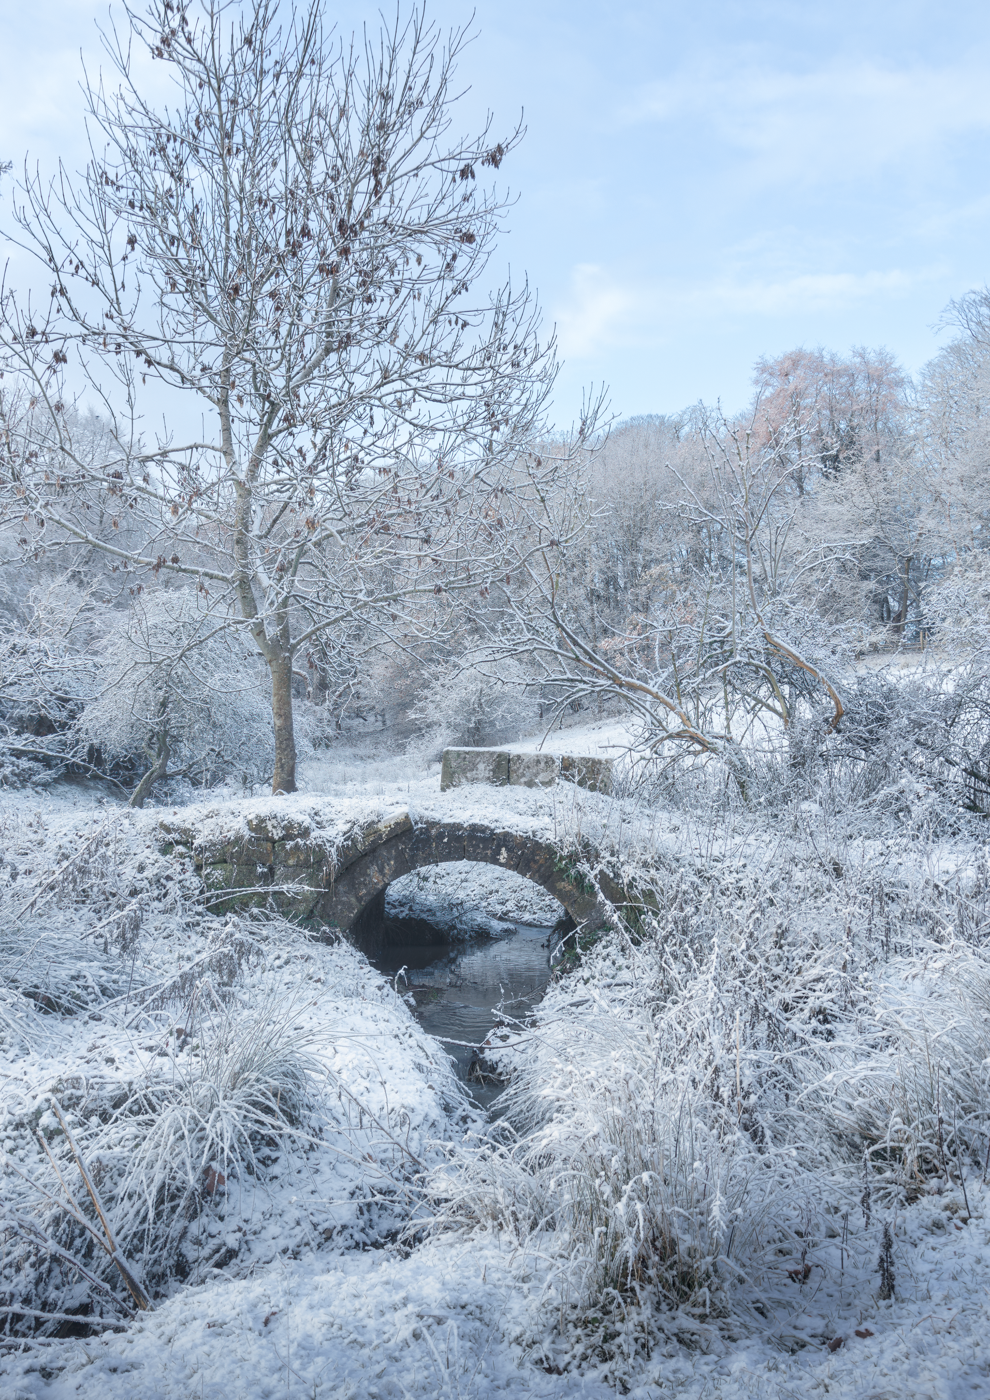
(385, 855)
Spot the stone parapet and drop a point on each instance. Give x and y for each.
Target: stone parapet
(533, 769)
(498, 768)
(462, 766)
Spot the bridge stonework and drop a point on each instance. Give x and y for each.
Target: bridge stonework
(287, 864)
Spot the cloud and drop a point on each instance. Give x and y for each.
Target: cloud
(812, 291)
(604, 312)
(596, 314)
(835, 124)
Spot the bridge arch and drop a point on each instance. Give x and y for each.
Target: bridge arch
(363, 871)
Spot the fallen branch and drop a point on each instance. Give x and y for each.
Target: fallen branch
(21, 1311)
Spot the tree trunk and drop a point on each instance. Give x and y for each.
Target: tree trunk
(158, 770)
(901, 616)
(285, 741)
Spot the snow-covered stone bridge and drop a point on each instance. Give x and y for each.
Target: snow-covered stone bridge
(366, 869)
(334, 873)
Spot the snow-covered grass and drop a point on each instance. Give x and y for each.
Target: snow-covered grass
(212, 1073)
(722, 1105)
(715, 1117)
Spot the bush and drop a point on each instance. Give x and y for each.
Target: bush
(176, 692)
(228, 1097)
(470, 705)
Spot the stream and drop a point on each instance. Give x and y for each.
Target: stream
(464, 986)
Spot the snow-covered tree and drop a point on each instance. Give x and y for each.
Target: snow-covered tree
(722, 637)
(476, 701)
(826, 412)
(292, 261)
(48, 672)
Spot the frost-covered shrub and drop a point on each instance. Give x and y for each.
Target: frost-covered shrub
(163, 687)
(776, 1036)
(636, 1150)
(203, 1065)
(927, 725)
(209, 1115)
(48, 641)
(178, 692)
(913, 745)
(474, 705)
(918, 1104)
(651, 1199)
(19, 772)
(958, 607)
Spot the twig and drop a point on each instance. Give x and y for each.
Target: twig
(37, 1236)
(133, 1287)
(32, 904)
(381, 1128)
(62, 1317)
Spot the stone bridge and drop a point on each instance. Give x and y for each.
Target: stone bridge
(319, 883)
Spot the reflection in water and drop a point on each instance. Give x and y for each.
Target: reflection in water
(463, 988)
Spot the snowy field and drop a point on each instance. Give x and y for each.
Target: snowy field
(717, 1115)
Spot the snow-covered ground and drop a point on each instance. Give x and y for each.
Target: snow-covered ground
(466, 1318)
(467, 898)
(725, 1113)
(584, 738)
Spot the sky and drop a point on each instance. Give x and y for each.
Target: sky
(700, 184)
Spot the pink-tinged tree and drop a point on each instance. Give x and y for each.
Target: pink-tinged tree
(828, 412)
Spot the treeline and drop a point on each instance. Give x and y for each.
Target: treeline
(714, 577)
(354, 517)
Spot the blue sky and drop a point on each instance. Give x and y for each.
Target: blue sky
(701, 183)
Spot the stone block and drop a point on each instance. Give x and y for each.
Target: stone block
(274, 826)
(533, 769)
(214, 852)
(231, 886)
(220, 876)
(250, 850)
(462, 766)
(592, 773)
(224, 875)
(297, 905)
(295, 854)
(175, 834)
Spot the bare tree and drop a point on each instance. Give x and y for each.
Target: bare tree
(954, 429)
(296, 250)
(826, 413)
(723, 637)
(879, 465)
